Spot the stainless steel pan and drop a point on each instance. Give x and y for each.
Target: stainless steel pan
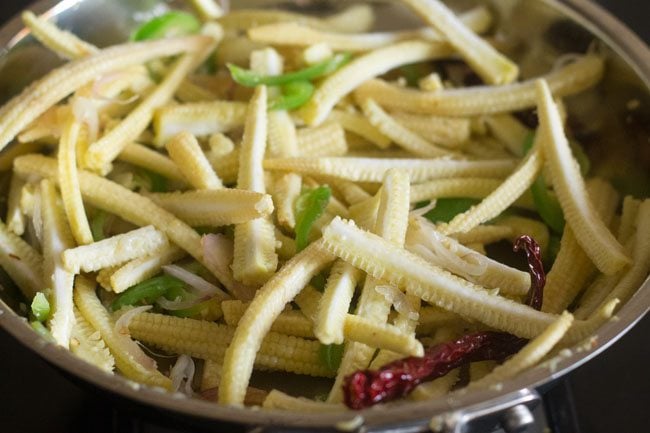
(536, 31)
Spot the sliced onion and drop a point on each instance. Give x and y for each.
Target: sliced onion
(176, 305)
(122, 324)
(197, 284)
(424, 210)
(85, 111)
(182, 374)
(218, 255)
(399, 301)
(96, 91)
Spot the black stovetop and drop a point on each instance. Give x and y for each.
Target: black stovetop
(610, 393)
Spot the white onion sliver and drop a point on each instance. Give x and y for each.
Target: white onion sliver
(197, 284)
(217, 252)
(122, 324)
(183, 371)
(85, 110)
(180, 304)
(424, 210)
(399, 301)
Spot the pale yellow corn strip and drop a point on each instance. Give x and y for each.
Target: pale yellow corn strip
(287, 189)
(254, 259)
(434, 318)
(56, 238)
(370, 65)
(15, 216)
(473, 187)
(445, 131)
(143, 268)
(113, 198)
(8, 155)
(380, 259)
(200, 119)
(436, 388)
(114, 250)
(267, 305)
(374, 169)
(364, 213)
(403, 137)
(351, 192)
(88, 345)
(356, 18)
(501, 198)
(478, 370)
(509, 131)
(104, 277)
(285, 247)
(211, 375)
(359, 125)
(101, 153)
(94, 312)
(496, 275)
(143, 156)
(186, 152)
(590, 231)
(281, 401)
(335, 303)
(61, 42)
(215, 207)
(526, 226)
(381, 335)
(638, 272)
(492, 66)
(187, 91)
(208, 10)
(69, 182)
(326, 140)
(288, 322)
(628, 219)
(582, 329)
(308, 300)
(484, 234)
(56, 85)
(529, 355)
(472, 101)
(300, 34)
(21, 261)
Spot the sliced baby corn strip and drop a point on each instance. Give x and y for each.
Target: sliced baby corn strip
(69, 182)
(143, 268)
(472, 101)
(489, 273)
(114, 250)
(501, 198)
(437, 388)
(282, 134)
(529, 355)
(287, 189)
(300, 34)
(627, 226)
(590, 231)
(254, 259)
(308, 300)
(101, 153)
(8, 155)
(400, 135)
(526, 226)
(281, 401)
(60, 41)
(56, 85)
(126, 204)
(215, 207)
(351, 192)
(582, 329)
(492, 66)
(472, 187)
(445, 131)
(508, 130)
(211, 376)
(433, 319)
(335, 303)
(94, 312)
(359, 125)
(186, 152)
(288, 322)
(21, 261)
(572, 268)
(370, 65)
(56, 239)
(88, 345)
(262, 312)
(354, 19)
(199, 118)
(15, 216)
(374, 169)
(638, 272)
(143, 156)
(484, 234)
(380, 259)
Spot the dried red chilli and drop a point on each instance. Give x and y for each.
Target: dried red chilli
(365, 388)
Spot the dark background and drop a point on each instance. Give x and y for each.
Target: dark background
(612, 392)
